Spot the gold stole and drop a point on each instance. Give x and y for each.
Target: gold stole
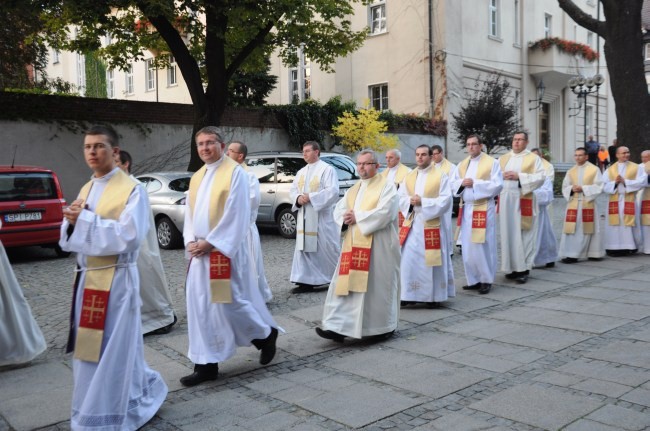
(220, 266)
(307, 223)
(587, 206)
(525, 201)
(628, 209)
(445, 166)
(432, 252)
(354, 263)
(100, 271)
(479, 207)
(645, 200)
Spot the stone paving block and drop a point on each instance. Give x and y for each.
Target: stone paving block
(172, 372)
(642, 298)
(290, 325)
(211, 411)
(587, 425)
(298, 393)
(643, 335)
(575, 320)
(310, 314)
(611, 389)
(305, 343)
(621, 417)
(559, 379)
(433, 344)
(592, 270)
(483, 328)
(638, 396)
(546, 408)
(606, 371)
(470, 303)
(273, 421)
(636, 276)
(544, 338)
(455, 422)
(307, 426)
(370, 404)
(619, 264)
(20, 382)
(270, 385)
(556, 277)
(331, 383)
(177, 342)
(37, 409)
(601, 293)
(621, 283)
(305, 375)
(422, 316)
(477, 360)
(635, 353)
(499, 293)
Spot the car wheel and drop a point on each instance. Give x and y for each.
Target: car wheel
(168, 235)
(59, 251)
(286, 223)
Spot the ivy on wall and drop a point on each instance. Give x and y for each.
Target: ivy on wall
(95, 76)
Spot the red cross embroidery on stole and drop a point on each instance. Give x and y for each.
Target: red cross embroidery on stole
(613, 207)
(526, 206)
(572, 216)
(403, 232)
(588, 215)
(219, 266)
(360, 259)
(93, 310)
(479, 219)
(645, 207)
(344, 267)
(432, 239)
(628, 209)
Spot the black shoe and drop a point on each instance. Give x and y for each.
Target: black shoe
(381, 337)
(512, 275)
(165, 329)
(570, 260)
(266, 346)
(302, 288)
(330, 335)
(485, 288)
(405, 303)
(202, 373)
(597, 259)
(432, 305)
(522, 279)
(476, 286)
(550, 265)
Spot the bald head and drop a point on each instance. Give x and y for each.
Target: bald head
(622, 154)
(392, 158)
(645, 156)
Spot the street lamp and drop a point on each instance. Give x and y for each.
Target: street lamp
(582, 86)
(541, 88)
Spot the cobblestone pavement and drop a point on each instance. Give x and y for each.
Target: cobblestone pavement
(568, 350)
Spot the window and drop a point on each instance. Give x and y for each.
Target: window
(81, 73)
(110, 83)
(150, 75)
(263, 168)
(300, 88)
(494, 18)
(109, 39)
(548, 22)
(56, 56)
(517, 29)
(590, 39)
(171, 72)
(589, 118)
(647, 51)
(128, 84)
(377, 17)
(378, 95)
(288, 168)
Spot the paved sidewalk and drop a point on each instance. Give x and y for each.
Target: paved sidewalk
(568, 350)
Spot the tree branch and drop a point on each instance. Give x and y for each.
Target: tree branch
(248, 49)
(583, 19)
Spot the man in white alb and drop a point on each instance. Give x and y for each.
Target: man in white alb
(363, 298)
(225, 308)
(477, 181)
(523, 173)
(424, 199)
(546, 254)
(314, 192)
(582, 236)
(395, 171)
(440, 162)
(644, 204)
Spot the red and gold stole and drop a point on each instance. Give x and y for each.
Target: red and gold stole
(354, 263)
(432, 251)
(587, 206)
(402, 170)
(479, 207)
(220, 268)
(100, 271)
(628, 209)
(525, 201)
(645, 200)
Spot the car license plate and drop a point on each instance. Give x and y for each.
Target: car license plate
(18, 217)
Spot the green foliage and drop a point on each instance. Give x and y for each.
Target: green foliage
(419, 123)
(490, 112)
(364, 129)
(250, 86)
(95, 77)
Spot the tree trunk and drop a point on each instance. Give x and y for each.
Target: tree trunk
(210, 116)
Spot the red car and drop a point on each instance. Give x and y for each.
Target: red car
(31, 207)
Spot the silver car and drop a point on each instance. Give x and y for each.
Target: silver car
(276, 171)
(166, 192)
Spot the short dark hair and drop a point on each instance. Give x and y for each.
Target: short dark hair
(582, 149)
(105, 130)
(536, 149)
(125, 157)
(314, 145)
(243, 149)
(427, 147)
(437, 148)
(210, 130)
(521, 132)
(474, 135)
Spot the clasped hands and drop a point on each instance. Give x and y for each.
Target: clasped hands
(467, 182)
(416, 200)
(303, 199)
(199, 248)
(576, 189)
(349, 218)
(72, 212)
(619, 180)
(511, 175)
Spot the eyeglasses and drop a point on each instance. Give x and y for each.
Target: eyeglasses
(435, 154)
(366, 163)
(208, 143)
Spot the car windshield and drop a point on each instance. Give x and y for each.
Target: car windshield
(180, 184)
(26, 186)
(345, 169)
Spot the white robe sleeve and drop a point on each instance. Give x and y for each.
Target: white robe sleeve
(437, 207)
(455, 180)
(637, 183)
(97, 236)
(188, 226)
(382, 215)
(483, 189)
(609, 186)
(530, 182)
(340, 209)
(329, 192)
(566, 187)
(593, 191)
(404, 200)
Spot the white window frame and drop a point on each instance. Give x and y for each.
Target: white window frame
(647, 51)
(149, 75)
(590, 39)
(380, 103)
(110, 83)
(548, 25)
(517, 24)
(494, 21)
(297, 84)
(129, 87)
(56, 56)
(377, 24)
(172, 75)
(81, 73)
